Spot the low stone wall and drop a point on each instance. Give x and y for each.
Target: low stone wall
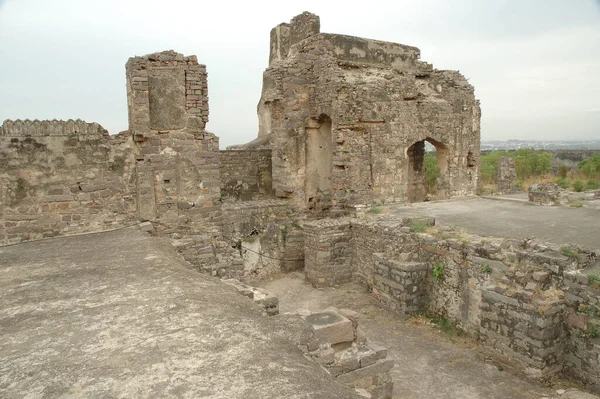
(245, 175)
(544, 194)
(529, 302)
(582, 355)
(525, 329)
(400, 286)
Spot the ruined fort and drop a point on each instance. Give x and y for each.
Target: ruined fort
(342, 128)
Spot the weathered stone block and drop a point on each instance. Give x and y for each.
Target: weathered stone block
(331, 327)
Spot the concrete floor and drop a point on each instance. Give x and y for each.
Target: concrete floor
(510, 218)
(429, 363)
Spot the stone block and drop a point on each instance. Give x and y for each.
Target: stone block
(578, 320)
(379, 350)
(369, 371)
(146, 227)
(331, 327)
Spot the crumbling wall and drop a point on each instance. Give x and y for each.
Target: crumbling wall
(177, 161)
(530, 303)
(582, 352)
(544, 194)
(267, 235)
(245, 175)
(63, 177)
(378, 100)
(507, 176)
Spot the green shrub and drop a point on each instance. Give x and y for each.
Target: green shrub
(563, 182)
(376, 210)
(431, 173)
(591, 167)
(528, 163)
(563, 169)
(577, 186)
(568, 252)
(418, 226)
(438, 271)
(592, 185)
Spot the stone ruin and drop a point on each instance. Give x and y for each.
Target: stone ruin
(544, 194)
(507, 176)
(343, 123)
(347, 120)
(341, 347)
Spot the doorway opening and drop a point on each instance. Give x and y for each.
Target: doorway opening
(426, 170)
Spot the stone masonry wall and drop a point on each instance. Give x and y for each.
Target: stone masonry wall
(267, 234)
(507, 176)
(177, 161)
(63, 177)
(582, 354)
(245, 175)
(327, 252)
(531, 304)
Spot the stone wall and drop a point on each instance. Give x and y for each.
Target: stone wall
(530, 303)
(327, 252)
(62, 177)
(507, 176)
(177, 162)
(267, 235)
(582, 354)
(544, 194)
(245, 175)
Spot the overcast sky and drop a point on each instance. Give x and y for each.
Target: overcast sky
(535, 64)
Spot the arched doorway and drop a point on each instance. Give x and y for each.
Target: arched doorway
(319, 163)
(426, 178)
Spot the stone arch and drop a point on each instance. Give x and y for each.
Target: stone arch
(415, 171)
(319, 163)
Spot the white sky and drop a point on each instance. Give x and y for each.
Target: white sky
(535, 64)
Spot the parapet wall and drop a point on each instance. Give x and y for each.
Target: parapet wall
(62, 177)
(19, 128)
(531, 304)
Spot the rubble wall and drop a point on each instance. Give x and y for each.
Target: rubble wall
(267, 235)
(245, 175)
(63, 177)
(532, 304)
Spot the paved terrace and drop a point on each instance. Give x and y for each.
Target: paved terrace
(510, 218)
(118, 315)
